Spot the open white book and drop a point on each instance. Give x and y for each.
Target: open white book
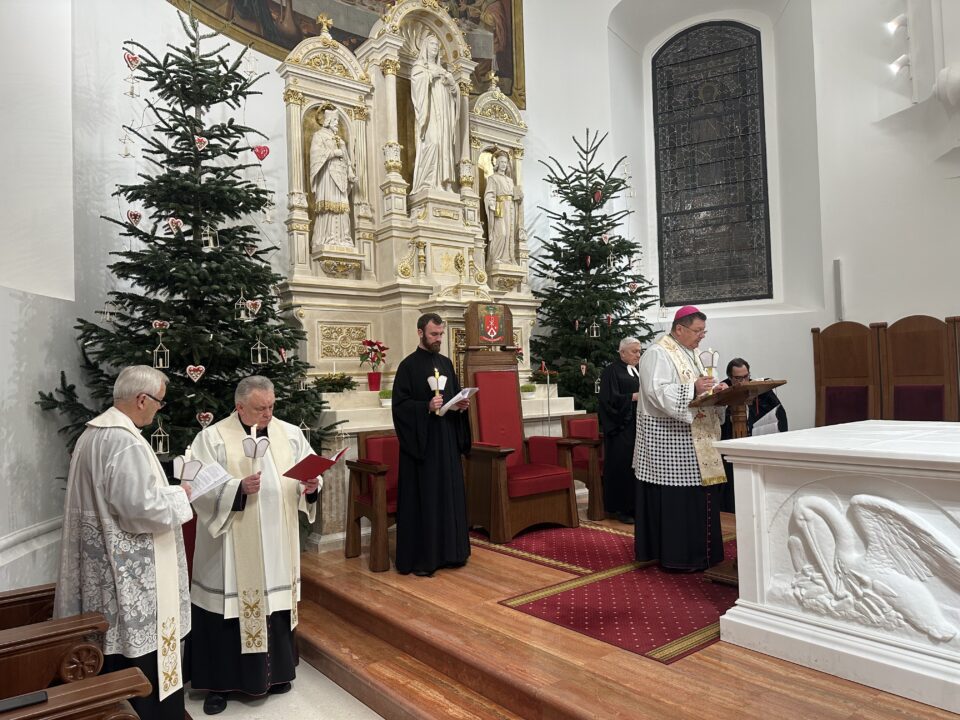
(462, 395)
(766, 424)
(209, 478)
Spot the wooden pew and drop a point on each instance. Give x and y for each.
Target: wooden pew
(103, 697)
(26, 605)
(65, 650)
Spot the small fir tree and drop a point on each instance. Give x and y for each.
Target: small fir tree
(202, 304)
(595, 294)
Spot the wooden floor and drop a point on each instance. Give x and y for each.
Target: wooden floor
(443, 647)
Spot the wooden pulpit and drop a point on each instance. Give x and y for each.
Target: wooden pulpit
(735, 399)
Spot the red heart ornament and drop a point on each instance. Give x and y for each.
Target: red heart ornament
(253, 306)
(200, 142)
(132, 60)
(175, 225)
(134, 216)
(204, 418)
(160, 324)
(633, 287)
(605, 237)
(195, 372)
(250, 250)
(261, 151)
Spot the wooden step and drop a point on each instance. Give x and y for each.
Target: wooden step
(493, 651)
(384, 678)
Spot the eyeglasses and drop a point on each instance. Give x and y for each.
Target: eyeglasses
(740, 379)
(160, 403)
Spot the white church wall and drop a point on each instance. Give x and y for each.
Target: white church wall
(637, 31)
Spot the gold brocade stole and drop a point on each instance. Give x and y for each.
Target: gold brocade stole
(166, 572)
(245, 532)
(706, 425)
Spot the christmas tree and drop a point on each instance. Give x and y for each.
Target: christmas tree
(202, 303)
(595, 294)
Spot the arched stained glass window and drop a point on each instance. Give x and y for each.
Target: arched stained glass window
(712, 211)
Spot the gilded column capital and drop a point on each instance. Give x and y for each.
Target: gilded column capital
(293, 97)
(389, 66)
(466, 87)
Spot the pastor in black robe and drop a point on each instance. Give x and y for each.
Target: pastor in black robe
(618, 420)
(431, 500)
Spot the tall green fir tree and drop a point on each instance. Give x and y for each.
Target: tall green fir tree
(199, 300)
(594, 294)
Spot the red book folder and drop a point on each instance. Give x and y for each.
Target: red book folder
(312, 466)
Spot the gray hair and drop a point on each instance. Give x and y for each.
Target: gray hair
(627, 342)
(138, 379)
(249, 384)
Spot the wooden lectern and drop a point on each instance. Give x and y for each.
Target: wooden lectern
(735, 399)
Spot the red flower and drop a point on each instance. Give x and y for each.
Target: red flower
(373, 352)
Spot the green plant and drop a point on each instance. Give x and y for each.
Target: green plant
(335, 382)
(373, 352)
(386, 394)
(540, 377)
(528, 388)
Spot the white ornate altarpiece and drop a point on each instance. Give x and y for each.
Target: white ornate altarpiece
(369, 252)
(848, 545)
(352, 126)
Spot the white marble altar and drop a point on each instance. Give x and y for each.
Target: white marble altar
(848, 543)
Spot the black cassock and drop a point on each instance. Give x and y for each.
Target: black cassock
(431, 501)
(618, 420)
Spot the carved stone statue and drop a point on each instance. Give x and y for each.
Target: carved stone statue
(331, 178)
(500, 201)
(436, 104)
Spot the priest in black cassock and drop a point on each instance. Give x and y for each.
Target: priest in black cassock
(619, 384)
(431, 500)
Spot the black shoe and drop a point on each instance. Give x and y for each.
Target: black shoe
(214, 704)
(423, 573)
(280, 688)
(625, 519)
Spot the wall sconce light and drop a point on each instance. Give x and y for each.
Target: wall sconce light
(897, 66)
(900, 21)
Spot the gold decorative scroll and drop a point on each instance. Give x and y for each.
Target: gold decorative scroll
(339, 341)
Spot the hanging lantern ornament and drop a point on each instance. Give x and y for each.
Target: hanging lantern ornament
(240, 308)
(596, 386)
(302, 383)
(209, 238)
(305, 430)
(160, 440)
(125, 142)
(161, 356)
(583, 368)
(594, 330)
(259, 353)
(109, 312)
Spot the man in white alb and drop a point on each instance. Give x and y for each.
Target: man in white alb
(246, 567)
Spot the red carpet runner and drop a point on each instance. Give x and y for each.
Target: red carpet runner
(662, 616)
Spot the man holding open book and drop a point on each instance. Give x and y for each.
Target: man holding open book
(246, 568)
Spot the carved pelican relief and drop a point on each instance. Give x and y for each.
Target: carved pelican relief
(873, 565)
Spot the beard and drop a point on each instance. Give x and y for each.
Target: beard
(432, 347)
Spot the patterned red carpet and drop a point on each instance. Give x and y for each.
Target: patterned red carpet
(662, 616)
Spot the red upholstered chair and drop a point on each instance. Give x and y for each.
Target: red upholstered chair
(507, 491)
(372, 493)
(918, 368)
(846, 368)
